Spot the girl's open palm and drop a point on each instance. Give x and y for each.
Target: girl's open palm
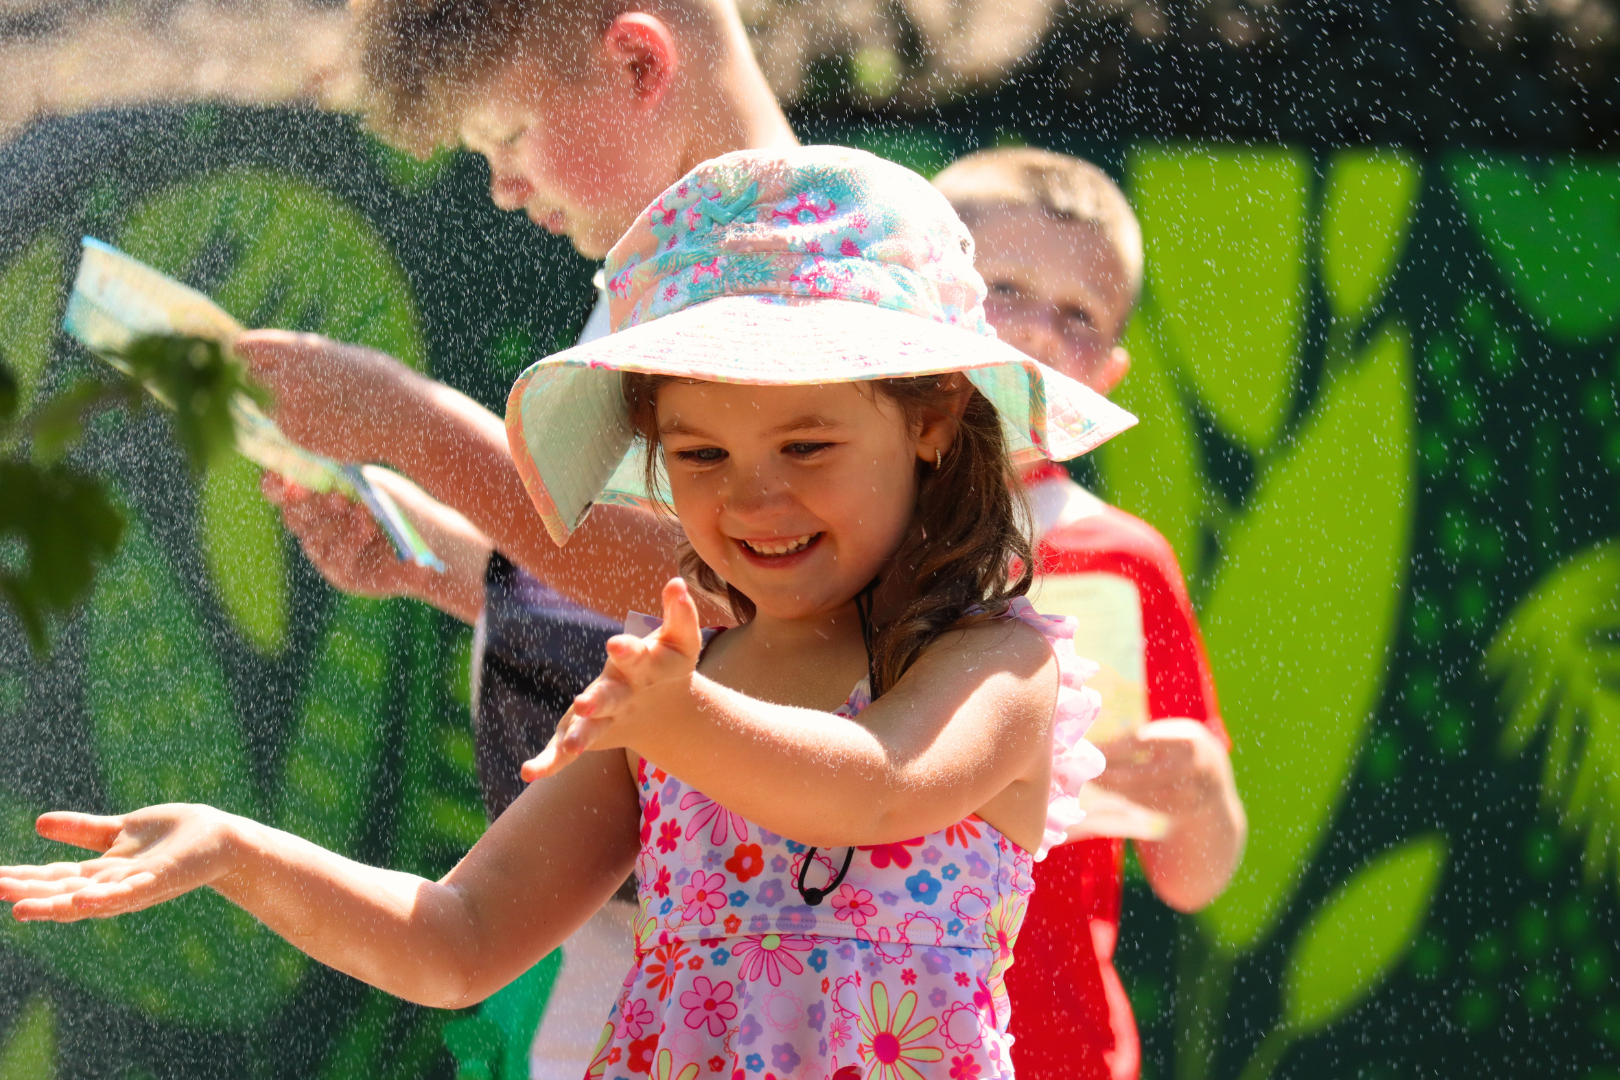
(148, 857)
(604, 714)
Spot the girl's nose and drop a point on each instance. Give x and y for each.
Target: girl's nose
(757, 494)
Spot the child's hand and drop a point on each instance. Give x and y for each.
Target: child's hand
(149, 856)
(341, 538)
(329, 397)
(603, 715)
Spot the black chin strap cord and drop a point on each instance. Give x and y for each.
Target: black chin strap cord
(863, 609)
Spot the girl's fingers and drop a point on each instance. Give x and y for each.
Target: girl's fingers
(80, 830)
(680, 631)
(602, 698)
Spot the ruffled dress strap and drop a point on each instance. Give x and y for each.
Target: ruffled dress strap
(1074, 760)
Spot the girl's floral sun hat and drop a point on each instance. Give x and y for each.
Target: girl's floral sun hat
(782, 267)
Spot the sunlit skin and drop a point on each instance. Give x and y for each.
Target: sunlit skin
(1057, 290)
(582, 155)
(664, 88)
(1060, 292)
(966, 729)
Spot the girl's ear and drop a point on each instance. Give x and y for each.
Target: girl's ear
(938, 431)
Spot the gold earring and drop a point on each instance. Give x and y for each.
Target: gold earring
(939, 460)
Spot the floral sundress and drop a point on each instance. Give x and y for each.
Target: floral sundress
(896, 975)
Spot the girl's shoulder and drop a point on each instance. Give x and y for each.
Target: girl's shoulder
(1019, 636)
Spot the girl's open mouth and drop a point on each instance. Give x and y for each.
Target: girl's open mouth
(781, 547)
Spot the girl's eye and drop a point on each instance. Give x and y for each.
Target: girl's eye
(703, 455)
(1003, 288)
(805, 449)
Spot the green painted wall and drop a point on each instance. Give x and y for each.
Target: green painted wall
(1380, 428)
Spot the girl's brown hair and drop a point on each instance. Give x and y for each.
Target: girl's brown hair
(966, 553)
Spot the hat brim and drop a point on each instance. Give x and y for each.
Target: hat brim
(570, 431)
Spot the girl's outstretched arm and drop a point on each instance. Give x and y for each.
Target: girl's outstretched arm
(550, 861)
(967, 729)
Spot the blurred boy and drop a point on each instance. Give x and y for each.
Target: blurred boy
(585, 111)
(1061, 254)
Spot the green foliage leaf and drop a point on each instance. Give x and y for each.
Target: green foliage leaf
(29, 1052)
(1154, 471)
(242, 539)
(30, 301)
(1225, 235)
(1557, 656)
(1367, 206)
(1553, 232)
(56, 526)
(1300, 621)
(1359, 934)
(200, 381)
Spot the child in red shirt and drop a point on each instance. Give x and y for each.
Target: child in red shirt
(1061, 255)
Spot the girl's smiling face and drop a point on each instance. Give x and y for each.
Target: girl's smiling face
(795, 495)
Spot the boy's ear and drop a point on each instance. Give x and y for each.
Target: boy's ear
(643, 48)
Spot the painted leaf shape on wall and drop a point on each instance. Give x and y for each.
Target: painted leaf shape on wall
(242, 542)
(163, 717)
(1359, 934)
(1224, 230)
(274, 251)
(28, 1050)
(1557, 656)
(30, 298)
(1153, 471)
(1553, 231)
(167, 732)
(1368, 200)
(1300, 621)
(331, 762)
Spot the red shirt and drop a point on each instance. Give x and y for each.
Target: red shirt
(1070, 1016)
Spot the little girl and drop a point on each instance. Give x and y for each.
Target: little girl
(831, 881)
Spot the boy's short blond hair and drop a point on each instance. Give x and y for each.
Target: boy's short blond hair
(423, 63)
(1058, 184)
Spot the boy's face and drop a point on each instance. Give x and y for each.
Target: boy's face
(582, 158)
(1058, 291)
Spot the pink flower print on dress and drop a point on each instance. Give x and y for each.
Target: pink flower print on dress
(634, 1016)
(853, 905)
(708, 810)
(664, 1068)
(962, 831)
(892, 948)
(963, 1026)
(890, 1042)
(884, 854)
(704, 895)
(768, 954)
(601, 1057)
(709, 1005)
(706, 269)
(669, 835)
(970, 904)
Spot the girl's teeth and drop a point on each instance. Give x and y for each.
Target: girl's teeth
(780, 547)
